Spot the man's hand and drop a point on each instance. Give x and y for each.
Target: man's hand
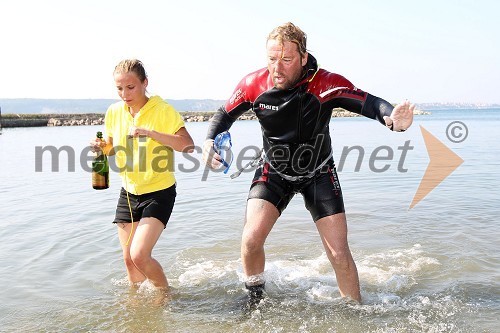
(401, 117)
(210, 157)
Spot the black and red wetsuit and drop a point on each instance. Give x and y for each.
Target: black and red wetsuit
(295, 121)
(297, 116)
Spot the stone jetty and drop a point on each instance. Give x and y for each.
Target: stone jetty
(80, 119)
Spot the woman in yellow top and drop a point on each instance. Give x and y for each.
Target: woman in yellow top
(142, 133)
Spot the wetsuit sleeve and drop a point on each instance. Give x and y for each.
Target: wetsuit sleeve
(335, 91)
(364, 104)
(239, 103)
(376, 108)
(221, 121)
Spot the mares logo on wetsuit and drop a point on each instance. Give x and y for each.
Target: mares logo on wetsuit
(263, 106)
(238, 94)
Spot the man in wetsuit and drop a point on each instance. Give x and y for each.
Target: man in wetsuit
(293, 100)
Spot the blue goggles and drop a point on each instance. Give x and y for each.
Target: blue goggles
(222, 146)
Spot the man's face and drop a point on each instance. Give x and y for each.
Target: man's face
(284, 63)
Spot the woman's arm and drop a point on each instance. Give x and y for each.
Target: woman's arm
(180, 141)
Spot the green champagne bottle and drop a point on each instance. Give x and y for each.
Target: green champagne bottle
(100, 169)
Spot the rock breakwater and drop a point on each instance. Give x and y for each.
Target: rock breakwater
(38, 120)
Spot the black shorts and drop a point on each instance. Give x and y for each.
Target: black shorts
(157, 204)
(322, 193)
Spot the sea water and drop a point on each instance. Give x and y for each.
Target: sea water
(432, 268)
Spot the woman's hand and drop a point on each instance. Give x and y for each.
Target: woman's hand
(97, 145)
(139, 132)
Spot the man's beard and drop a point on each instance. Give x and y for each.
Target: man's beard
(288, 84)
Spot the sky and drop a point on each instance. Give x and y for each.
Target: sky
(425, 51)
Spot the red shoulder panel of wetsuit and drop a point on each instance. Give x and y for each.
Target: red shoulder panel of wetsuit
(327, 86)
(249, 88)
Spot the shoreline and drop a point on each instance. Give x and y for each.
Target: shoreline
(85, 119)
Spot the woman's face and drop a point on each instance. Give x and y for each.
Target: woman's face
(131, 90)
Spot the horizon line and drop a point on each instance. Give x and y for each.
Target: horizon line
(216, 99)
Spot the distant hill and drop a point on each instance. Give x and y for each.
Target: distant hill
(455, 106)
(57, 106)
(75, 106)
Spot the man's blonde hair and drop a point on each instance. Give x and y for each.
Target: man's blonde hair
(289, 32)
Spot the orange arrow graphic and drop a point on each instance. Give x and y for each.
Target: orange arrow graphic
(443, 161)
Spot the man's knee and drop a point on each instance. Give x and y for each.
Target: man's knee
(340, 259)
(250, 243)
